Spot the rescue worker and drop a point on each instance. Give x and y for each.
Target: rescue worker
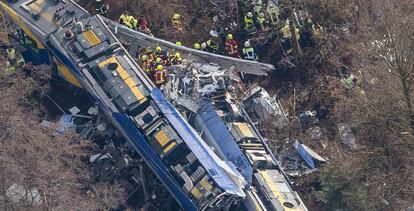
(231, 46)
(317, 30)
(197, 46)
(287, 37)
(159, 76)
(176, 59)
(101, 8)
(212, 46)
(349, 83)
(156, 62)
(204, 46)
(10, 69)
(248, 52)
(158, 51)
(273, 11)
(134, 22)
(146, 64)
(258, 7)
(125, 19)
(262, 22)
(248, 22)
(11, 54)
(143, 24)
(150, 54)
(176, 22)
(306, 36)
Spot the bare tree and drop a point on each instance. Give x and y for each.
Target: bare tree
(33, 161)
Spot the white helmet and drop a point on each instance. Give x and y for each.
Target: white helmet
(247, 44)
(204, 45)
(250, 14)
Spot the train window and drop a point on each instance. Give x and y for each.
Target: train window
(112, 66)
(288, 204)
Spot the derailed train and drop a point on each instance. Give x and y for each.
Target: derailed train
(87, 54)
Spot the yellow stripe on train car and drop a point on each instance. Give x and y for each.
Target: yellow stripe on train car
(125, 77)
(36, 6)
(275, 191)
(21, 24)
(66, 73)
(91, 37)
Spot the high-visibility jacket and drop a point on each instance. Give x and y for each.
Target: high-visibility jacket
(134, 23)
(273, 12)
(11, 53)
(126, 20)
(159, 77)
(286, 32)
(123, 19)
(20, 61)
(212, 46)
(10, 68)
(248, 23)
(146, 66)
(257, 9)
(262, 23)
(249, 54)
(232, 48)
(176, 23)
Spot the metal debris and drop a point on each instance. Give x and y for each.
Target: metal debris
(346, 135)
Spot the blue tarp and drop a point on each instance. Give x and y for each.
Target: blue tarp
(224, 140)
(201, 150)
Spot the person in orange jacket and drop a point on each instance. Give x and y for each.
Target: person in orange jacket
(231, 46)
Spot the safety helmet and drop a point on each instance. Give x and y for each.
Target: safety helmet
(197, 46)
(259, 2)
(229, 37)
(158, 60)
(261, 15)
(250, 14)
(98, 1)
(176, 16)
(177, 55)
(144, 58)
(148, 50)
(247, 44)
(158, 49)
(160, 67)
(178, 43)
(204, 45)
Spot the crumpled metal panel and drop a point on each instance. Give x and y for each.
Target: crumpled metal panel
(226, 178)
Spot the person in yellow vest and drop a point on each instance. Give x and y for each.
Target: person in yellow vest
(176, 22)
(125, 19)
(11, 53)
(176, 59)
(262, 22)
(197, 46)
(146, 64)
(159, 76)
(134, 23)
(248, 22)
